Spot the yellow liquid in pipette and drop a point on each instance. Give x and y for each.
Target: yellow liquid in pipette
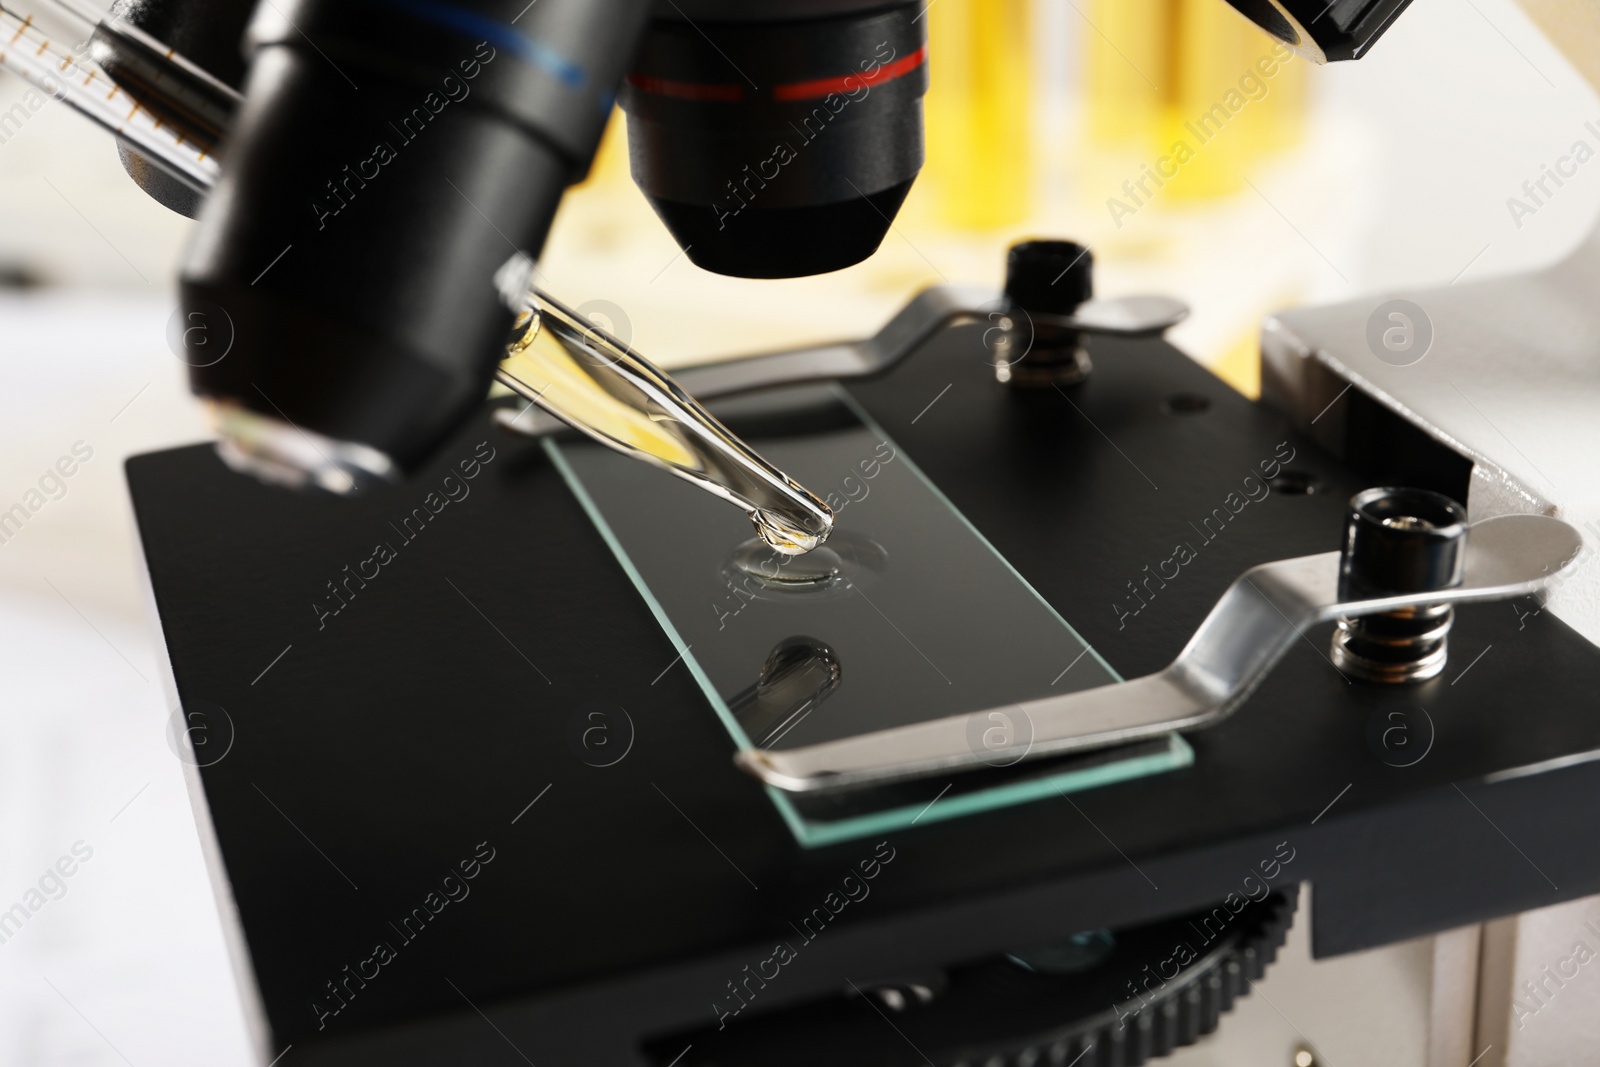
(539, 360)
(592, 383)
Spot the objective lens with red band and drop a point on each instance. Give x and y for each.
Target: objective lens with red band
(774, 149)
(815, 89)
(850, 83)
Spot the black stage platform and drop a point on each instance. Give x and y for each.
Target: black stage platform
(404, 738)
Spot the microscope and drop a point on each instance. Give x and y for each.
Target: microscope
(886, 783)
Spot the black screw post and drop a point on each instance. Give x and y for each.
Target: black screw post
(1399, 541)
(1044, 279)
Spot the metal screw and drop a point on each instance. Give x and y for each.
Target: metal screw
(1398, 541)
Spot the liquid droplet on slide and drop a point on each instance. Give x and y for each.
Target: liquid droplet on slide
(773, 568)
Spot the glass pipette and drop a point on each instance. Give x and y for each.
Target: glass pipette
(161, 105)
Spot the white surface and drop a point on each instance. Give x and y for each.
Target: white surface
(1547, 1017)
(134, 943)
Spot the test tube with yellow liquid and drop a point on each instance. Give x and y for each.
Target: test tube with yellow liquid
(1195, 91)
(979, 111)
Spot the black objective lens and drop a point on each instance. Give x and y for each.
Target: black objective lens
(389, 158)
(1324, 32)
(776, 149)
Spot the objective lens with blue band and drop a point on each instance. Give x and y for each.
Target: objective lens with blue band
(473, 24)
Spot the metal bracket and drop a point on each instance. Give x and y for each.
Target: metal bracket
(929, 311)
(1257, 620)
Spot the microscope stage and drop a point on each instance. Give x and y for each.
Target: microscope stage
(408, 682)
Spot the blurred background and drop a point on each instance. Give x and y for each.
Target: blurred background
(1043, 118)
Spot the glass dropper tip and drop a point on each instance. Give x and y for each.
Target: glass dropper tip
(788, 537)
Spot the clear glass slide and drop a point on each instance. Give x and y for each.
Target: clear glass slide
(907, 613)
